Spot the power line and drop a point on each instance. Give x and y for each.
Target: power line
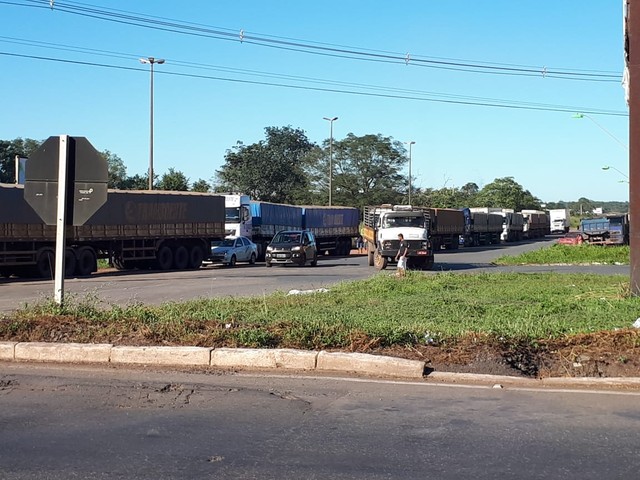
(324, 49)
(424, 96)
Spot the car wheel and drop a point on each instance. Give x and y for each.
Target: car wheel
(268, 264)
(252, 260)
(303, 260)
(232, 261)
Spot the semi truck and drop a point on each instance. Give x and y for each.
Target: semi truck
(607, 230)
(512, 222)
(383, 223)
(446, 226)
(536, 223)
(333, 227)
(560, 220)
(133, 229)
(481, 228)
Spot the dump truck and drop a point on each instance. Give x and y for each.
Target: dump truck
(133, 229)
(383, 223)
(608, 230)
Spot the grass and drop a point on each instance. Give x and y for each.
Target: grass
(574, 255)
(382, 311)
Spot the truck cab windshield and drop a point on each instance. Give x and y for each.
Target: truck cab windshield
(403, 221)
(232, 214)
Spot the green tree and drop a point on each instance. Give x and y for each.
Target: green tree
(270, 170)
(201, 186)
(506, 193)
(8, 151)
(136, 182)
(117, 170)
(173, 180)
(366, 171)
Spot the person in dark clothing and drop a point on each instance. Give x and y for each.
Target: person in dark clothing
(401, 256)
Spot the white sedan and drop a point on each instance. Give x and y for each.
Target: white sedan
(232, 250)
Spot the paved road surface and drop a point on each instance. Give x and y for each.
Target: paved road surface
(95, 423)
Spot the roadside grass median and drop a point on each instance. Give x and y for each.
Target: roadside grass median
(571, 255)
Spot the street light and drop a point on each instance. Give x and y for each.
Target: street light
(330, 120)
(607, 167)
(151, 61)
(410, 143)
(584, 115)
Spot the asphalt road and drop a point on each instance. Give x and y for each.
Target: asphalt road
(156, 287)
(97, 423)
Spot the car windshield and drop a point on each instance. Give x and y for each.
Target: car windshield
(228, 242)
(287, 237)
(404, 221)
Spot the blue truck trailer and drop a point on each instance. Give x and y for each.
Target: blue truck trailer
(333, 227)
(607, 230)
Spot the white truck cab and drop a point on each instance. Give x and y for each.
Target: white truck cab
(237, 215)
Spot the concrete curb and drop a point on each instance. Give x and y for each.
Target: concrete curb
(212, 357)
(276, 359)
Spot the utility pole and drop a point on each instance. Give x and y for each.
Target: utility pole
(632, 45)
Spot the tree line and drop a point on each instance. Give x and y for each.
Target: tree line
(286, 167)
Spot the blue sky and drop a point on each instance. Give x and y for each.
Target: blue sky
(204, 102)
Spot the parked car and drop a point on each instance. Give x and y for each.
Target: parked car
(572, 238)
(232, 250)
(292, 247)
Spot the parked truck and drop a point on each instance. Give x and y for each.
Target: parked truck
(607, 230)
(446, 226)
(333, 227)
(383, 223)
(481, 228)
(512, 222)
(560, 220)
(536, 223)
(133, 229)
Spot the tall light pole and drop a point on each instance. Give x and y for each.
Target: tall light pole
(584, 115)
(607, 167)
(330, 120)
(151, 61)
(410, 143)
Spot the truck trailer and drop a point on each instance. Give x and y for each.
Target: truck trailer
(481, 228)
(446, 226)
(607, 230)
(383, 223)
(536, 223)
(133, 229)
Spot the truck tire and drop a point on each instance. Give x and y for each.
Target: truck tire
(181, 257)
(164, 258)
(87, 262)
(196, 257)
(379, 261)
(69, 262)
(45, 263)
(370, 254)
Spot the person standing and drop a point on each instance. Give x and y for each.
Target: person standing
(401, 256)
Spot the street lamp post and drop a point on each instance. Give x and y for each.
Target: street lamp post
(330, 120)
(151, 61)
(410, 143)
(607, 167)
(584, 115)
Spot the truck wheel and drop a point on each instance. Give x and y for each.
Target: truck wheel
(314, 262)
(164, 258)
(268, 264)
(196, 256)
(87, 262)
(69, 262)
(370, 255)
(45, 263)
(181, 257)
(428, 265)
(379, 261)
(5, 272)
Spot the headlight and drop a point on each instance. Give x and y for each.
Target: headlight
(269, 248)
(296, 249)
